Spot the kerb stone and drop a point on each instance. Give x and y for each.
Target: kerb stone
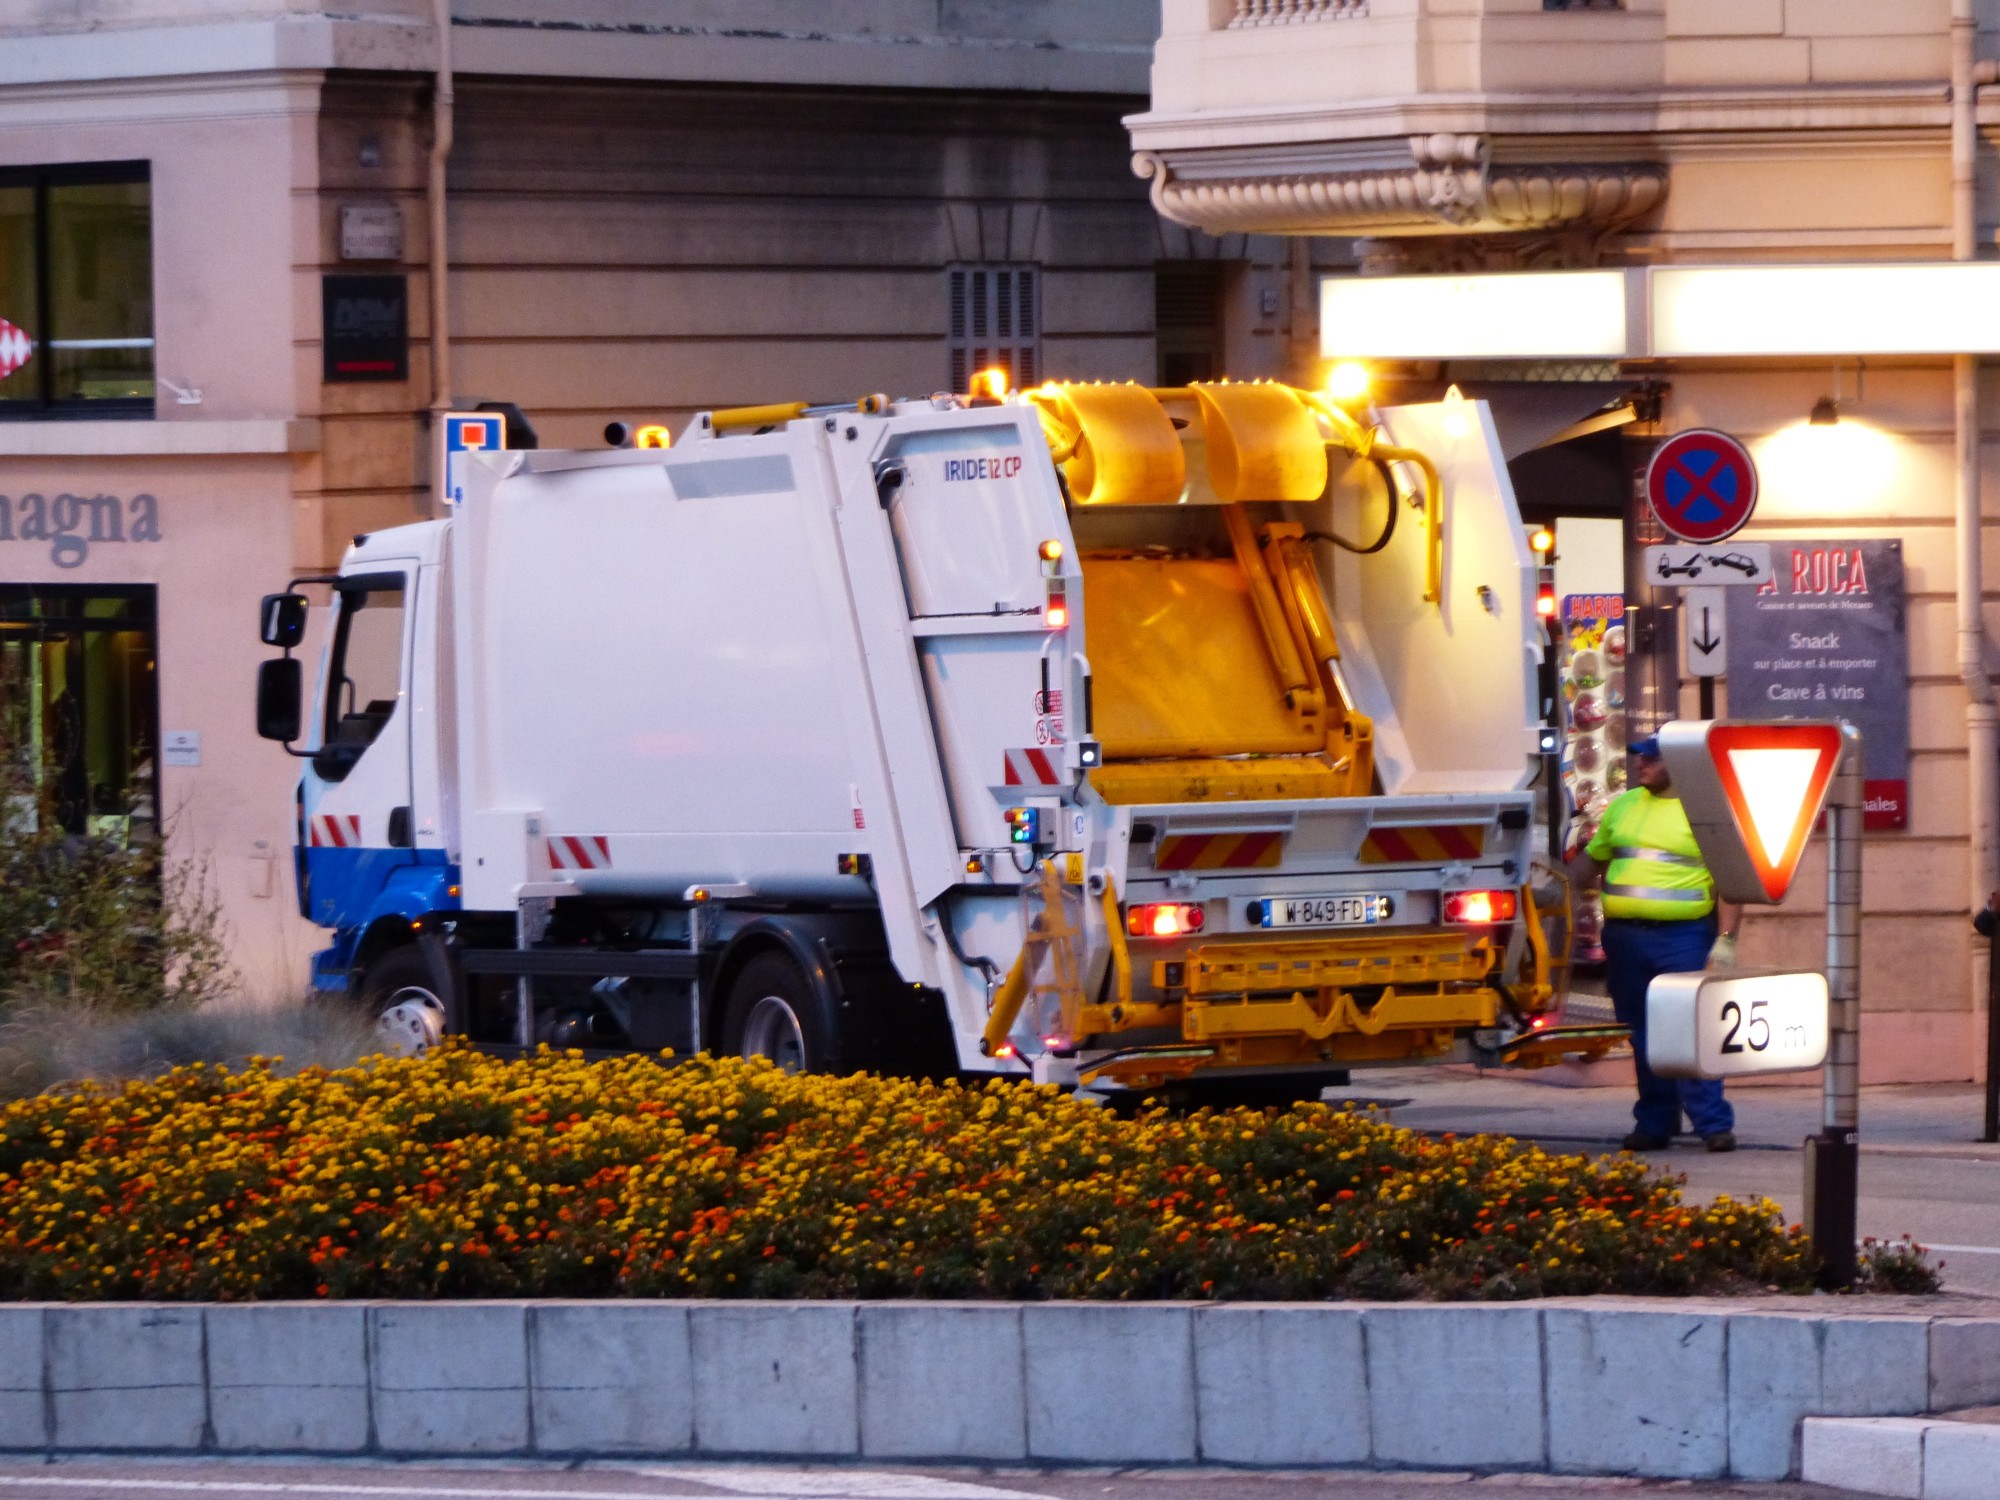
(1281, 1385)
(776, 1379)
(1874, 1455)
(1875, 1367)
(1110, 1382)
(127, 1376)
(1422, 1421)
(1637, 1392)
(451, 1377)
(1773, 1385)
(942, 1380)
(611, 1377)
(1965, 1363)
(1961, 1461)
(288, 1378)
(23, 1408)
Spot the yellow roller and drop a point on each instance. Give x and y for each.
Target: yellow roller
(1115, 442)
(1263, 443)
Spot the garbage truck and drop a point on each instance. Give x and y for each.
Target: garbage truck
(1137, 739)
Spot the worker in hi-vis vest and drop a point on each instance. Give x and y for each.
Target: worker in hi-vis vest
(1661, 916)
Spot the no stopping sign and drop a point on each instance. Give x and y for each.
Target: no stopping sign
(1702, 485)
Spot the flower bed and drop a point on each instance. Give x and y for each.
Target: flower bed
(461, 1175)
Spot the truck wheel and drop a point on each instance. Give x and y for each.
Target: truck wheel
(399, 992)
(773, 1012)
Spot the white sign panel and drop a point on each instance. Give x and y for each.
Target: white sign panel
(181, 747)
(1704, 640)
(1717, 565)
(1723, 1024)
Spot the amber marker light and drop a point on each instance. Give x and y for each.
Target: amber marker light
(1051, 550)
(653, 435)
(1348, 382)
(990, 384)
(1543, 540)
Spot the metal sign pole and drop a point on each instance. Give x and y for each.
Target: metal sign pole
(1833, 1157)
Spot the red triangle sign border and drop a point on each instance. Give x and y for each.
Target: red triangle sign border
(1775, 869)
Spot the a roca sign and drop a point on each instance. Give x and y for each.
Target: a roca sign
(70, 525)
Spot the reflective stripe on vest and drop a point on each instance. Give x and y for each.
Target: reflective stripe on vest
(1643, 879)
(1658, 856)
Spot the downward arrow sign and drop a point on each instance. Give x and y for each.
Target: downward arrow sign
(1708, 640)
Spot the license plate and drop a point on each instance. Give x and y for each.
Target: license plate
(1357, 910)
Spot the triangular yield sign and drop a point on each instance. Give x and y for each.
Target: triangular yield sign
(1776, 778)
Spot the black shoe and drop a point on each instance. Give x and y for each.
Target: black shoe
(1638, 1140)
(1722, 1140)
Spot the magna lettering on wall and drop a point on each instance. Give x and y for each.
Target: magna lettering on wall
(71, 524)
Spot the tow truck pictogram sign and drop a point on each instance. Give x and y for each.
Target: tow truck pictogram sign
(1752, 793)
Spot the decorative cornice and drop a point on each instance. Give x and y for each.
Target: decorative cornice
(1449, 185)
(1811, 108)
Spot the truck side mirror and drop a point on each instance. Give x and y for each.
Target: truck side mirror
(279, 696)
(282, 620)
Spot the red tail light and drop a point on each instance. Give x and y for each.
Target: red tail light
(1480, 908)
(1164, 919)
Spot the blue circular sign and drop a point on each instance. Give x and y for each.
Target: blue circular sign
(1702, 485)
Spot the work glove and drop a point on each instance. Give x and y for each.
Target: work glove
(1723, 954)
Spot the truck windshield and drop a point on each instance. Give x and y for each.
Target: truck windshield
(366, 676)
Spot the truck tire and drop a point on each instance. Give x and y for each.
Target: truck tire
(399, 993)
(774, 1012)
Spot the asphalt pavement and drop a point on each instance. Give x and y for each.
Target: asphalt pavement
(267, 1480)
(1922, 1171)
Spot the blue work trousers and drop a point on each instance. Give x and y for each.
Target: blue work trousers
(1634, 952)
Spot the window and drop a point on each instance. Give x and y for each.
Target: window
(366, 679)
(79, 694)
(1187, 320)
(994, 322)
(76, 291)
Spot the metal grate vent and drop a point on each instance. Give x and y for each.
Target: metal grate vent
(994, 322)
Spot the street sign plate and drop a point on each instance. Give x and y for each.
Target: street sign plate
(468, 432)
(1702, 484)
(1704, 632)
(1722, 1024)
(1752, 793)
(1722, 565)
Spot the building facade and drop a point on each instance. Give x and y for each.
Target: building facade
(216, 302)
(1506, 135)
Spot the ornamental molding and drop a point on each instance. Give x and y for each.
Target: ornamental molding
(1443, 184)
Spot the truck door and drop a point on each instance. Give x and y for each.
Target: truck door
(357, 784)
(976, 503)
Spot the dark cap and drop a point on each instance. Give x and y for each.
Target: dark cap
(1648, 747)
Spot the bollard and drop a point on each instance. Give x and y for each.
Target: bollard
(1833, 1157)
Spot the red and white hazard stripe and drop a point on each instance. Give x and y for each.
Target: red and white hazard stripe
(589, 851)
(335, 831)
(1033, 767)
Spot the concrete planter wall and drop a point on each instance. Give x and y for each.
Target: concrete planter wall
(1681, 1389)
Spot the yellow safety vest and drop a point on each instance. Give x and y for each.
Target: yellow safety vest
(1655, 871)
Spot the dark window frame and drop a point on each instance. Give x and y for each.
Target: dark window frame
(45, 405)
